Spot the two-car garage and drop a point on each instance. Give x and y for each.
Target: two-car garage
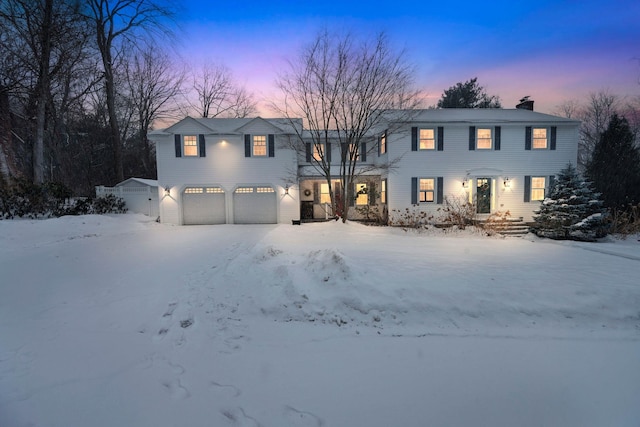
(250, 204)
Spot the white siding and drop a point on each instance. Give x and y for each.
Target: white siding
(225, 165)
(456, 161)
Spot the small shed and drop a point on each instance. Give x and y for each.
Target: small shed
(139, 194)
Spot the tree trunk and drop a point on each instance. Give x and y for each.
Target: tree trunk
(43, 92)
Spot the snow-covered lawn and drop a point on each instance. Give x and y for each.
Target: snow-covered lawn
(120, 321)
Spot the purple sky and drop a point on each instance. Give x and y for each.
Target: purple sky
(551, 50)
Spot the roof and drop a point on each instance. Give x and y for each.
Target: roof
(230, 126)
(478, 115)
(149, 182)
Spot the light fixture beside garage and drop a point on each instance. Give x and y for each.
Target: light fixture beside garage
(286, 189)
(167, 191)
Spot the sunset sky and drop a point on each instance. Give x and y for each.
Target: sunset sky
(551, 50)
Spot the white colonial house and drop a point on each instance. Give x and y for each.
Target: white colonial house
(215, 171)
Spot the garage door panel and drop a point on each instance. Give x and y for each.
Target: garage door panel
(203, 207)
(258, 206)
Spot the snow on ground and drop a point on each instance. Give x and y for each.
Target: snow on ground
(120, 321)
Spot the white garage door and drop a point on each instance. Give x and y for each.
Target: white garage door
(254, 205)
(203, 205)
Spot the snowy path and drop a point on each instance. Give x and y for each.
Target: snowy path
(119, 321)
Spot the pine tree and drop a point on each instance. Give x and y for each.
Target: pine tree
(614, 168)
(572, 211)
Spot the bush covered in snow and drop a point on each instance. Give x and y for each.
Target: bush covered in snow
(25, 199)
(572, 211)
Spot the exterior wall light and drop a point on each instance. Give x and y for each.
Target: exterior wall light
(286, 189)
(465, 182)
(167, 191)
(507, 182)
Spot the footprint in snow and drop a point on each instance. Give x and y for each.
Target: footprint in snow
(238, 417)
(298, 418)
(233, 390)
(176, 389)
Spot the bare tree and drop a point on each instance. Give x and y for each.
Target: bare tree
(153, 85)
(219, 95)
(595, 116)
(116, 22)
(343, 89)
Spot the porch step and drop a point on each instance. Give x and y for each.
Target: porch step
(509, 227)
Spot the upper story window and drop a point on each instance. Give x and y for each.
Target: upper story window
(190, 145)
(383, 143)
(318, 152)
(427, 139)
(537, 187)
(426, 190)
(259, 145)
(484, 140)
(539, 139)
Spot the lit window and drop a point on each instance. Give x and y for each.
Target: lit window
(354, 153)
(325, 197)
(539, 138)
(193, 190)
(362, 198)
(244, 190)
(317, 152)
(483, 139)
(427, 186)
(427, 139)
(259, 145)
(190, 145)
(264, 190)
(213, 190)
(383, 143)
(383, 191)
(537, 187)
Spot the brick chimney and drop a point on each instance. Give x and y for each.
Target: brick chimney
(525, 104)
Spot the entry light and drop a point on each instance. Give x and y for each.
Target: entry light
(167, 191)
(507, 182)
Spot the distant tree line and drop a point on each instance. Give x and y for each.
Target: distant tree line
(81, 84)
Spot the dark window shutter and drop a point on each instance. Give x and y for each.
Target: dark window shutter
(414, 139)
(178, 143)
(554, 130)
(327, 152)
(527, 188)
(308, 152)
(527, 138)
(552, 181)
(202, 146)
(371, 192)
(440, 190)
(272, 145)
(247, 145)
(316, 193)
(440, 138)
(363, 152)
(414, 191)
(497, 137)
(379, 145)
(472, 138)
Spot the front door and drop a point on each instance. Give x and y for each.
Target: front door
(483, 195)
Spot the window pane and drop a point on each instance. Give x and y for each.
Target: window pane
(537, 182)
(317, 152)
(190, 145)
(539, 138)
(427, 139)
(383, 144)
(483, 140)
(259, 145)
(362, 198)
(324, 193)
(426, 184)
